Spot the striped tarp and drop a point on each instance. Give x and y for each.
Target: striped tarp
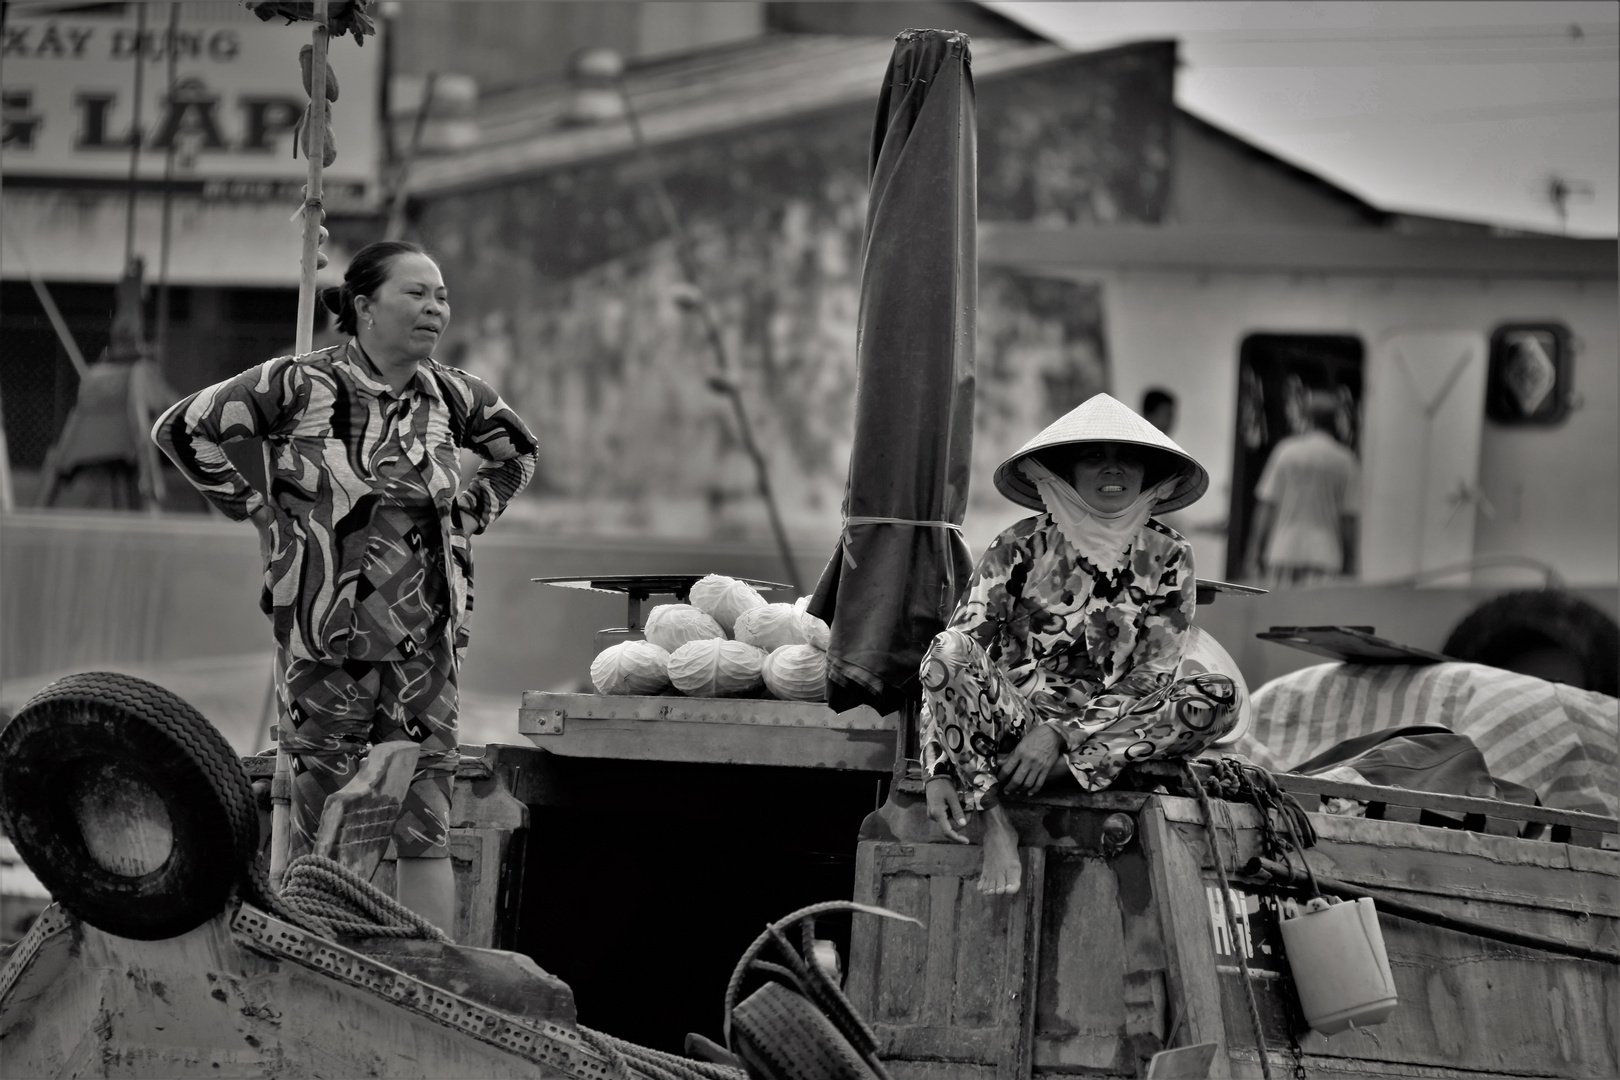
(1555, 739)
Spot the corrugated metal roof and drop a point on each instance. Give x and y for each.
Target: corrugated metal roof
(776, 77)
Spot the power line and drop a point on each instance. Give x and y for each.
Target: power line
(1485, 114)
(1575, 34)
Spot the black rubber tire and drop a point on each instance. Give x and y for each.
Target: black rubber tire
(85, 723)
(1507, 625)
(782, 1036)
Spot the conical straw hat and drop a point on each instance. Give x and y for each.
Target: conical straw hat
(1101, 418)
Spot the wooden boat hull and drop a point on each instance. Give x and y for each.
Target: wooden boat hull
(1101, 961)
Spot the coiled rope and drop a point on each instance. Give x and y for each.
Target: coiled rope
(322, 896)
(334, 900)
(635, 1062)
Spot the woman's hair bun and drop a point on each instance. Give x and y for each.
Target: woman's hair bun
(331, 299)
(367, 272)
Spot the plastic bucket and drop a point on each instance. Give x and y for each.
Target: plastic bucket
(1336, 952)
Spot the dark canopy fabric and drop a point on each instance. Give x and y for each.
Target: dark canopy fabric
(891, 585)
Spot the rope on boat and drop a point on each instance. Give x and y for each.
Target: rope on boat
(334, 900)
(324, 897)
(635, 1062)
(1212, 834)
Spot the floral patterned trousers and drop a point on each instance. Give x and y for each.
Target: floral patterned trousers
(973, 716)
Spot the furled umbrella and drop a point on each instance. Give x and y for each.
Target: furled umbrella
(901, 561)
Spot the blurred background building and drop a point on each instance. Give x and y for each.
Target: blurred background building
(1124, 244)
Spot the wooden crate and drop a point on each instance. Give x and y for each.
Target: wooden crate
(1100, 961)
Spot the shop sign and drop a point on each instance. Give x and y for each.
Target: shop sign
(68, 102)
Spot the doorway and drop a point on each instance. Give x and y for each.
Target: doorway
(1275, 374)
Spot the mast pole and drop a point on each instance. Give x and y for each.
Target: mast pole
(304, 336)
(135, 135)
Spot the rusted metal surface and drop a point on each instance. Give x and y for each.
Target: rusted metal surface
(537, 1040)
(264, 999)
(53, 920)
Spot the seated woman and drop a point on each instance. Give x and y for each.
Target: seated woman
(1067, 640)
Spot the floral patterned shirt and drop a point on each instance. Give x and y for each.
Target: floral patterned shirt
(1080, 644)
(329, 424)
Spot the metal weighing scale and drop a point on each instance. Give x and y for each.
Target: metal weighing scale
(638, 587)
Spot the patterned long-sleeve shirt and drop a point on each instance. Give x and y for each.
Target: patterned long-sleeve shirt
(327, 422)
(1080, 644)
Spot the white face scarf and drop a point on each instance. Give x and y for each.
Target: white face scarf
(1103, 538)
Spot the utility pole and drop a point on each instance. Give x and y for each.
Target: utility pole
(1560, 190)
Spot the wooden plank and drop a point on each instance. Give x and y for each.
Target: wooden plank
(1022, 970)
(861, 982)
(725, 744)
(1576, 906)
(1080, 1001)
(1146, 991)
(960, 988)
(1178, 889)
(944, 938)
(1471, 1004)
(476, 857)
(1446, 862)
(1396, 855)
(730, 731)
(1466, 1002)
(475, 862)
(1454, 805)
(765, 712)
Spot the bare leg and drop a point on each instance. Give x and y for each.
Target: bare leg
(1002, 873)
(428, 887)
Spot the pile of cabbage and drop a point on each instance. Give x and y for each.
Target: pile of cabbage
(728, 642)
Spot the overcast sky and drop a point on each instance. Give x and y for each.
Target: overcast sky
(1433, 106)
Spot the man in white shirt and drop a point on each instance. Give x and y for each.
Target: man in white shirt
(1309, 502)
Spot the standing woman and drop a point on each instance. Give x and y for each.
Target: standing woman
(364, 538)
(1066, 643)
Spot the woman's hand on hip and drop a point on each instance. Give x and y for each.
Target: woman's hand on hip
(945, 807)
(262, 519)
(1027, 767)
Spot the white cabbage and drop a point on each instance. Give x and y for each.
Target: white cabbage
(796, 673)
(631, 667)
(772, 626)
(716, 668)
(724, 599)
(816, 631)
(669, 626)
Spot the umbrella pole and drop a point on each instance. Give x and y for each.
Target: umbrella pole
(304, 335)
(304, 339)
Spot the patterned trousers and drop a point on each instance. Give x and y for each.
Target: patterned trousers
(977, 715)
(332, 713)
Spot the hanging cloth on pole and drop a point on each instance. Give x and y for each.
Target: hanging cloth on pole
(901, 560)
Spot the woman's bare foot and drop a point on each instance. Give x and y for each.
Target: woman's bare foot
(1002, 872)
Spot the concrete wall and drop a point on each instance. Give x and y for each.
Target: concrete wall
(509, 45)
(565, 286)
